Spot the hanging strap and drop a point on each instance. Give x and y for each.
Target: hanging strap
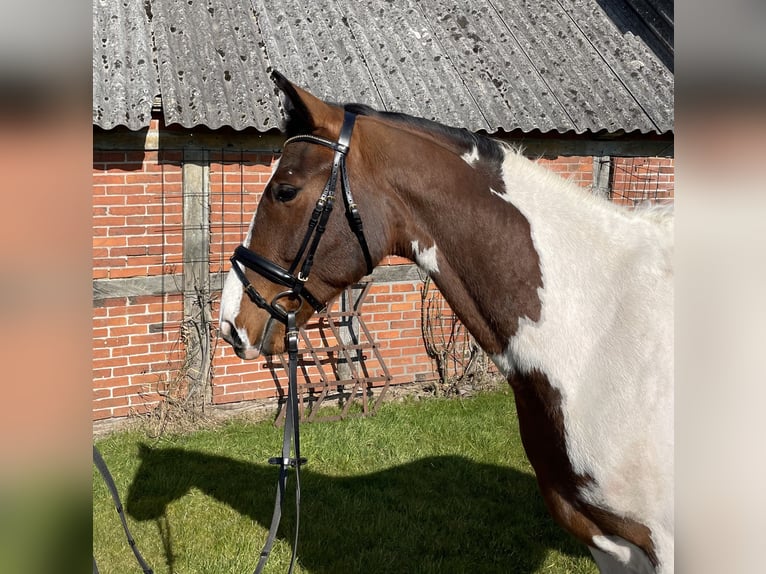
(107, 476)
(290, 441)
(353, 216)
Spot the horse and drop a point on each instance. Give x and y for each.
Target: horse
(569, 294)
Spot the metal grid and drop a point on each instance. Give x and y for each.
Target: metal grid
(639, 181)
(340, 364)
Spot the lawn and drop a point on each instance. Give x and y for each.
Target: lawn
(429, 486)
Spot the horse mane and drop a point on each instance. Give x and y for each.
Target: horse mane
(464, 139)
(661, 214)
(494, 152)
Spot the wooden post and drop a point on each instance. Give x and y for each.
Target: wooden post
(349, 331)
(196, 330)
(602, 175)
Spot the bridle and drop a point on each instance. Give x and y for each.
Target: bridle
(296, 284)
(297, 291)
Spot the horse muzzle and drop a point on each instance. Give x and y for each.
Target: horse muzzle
(243, 349)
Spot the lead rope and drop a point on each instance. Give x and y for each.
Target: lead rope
(291, 440)
(107, 476)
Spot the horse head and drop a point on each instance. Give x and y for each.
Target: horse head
(299, 252)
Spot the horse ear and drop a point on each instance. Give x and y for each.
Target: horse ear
(304, 113)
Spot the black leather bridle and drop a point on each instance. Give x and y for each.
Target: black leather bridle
(296, 284)
(297, 291)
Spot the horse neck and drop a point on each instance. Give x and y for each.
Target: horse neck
(503, 241)
(451, 221)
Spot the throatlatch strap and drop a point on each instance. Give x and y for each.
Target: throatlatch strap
(290, 439)
(353, 216)
(107, 476)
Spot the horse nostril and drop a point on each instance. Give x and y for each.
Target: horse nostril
(230, 335)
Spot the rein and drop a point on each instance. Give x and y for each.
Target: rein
(98, 460)
(297, 291)
(291, 441)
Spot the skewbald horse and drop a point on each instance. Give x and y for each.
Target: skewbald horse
(571, 296)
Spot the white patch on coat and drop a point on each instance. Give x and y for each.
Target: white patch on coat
(604, 340)
(615, 555)
(471, 157)
(426, 259)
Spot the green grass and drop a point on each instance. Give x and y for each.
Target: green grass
(434, 486)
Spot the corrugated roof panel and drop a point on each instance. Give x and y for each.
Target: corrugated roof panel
(570, 69)
(496, 67)
(407, 63)
(564, 65)
(211, 66)
(311, 43)
(651, 20)
(633, 66)
(124, 72)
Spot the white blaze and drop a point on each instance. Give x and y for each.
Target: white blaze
(233, 291)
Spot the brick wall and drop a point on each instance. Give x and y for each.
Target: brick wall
(133, 356)
(575, 168)
(138, 335)
(136, 213)
(136, 233)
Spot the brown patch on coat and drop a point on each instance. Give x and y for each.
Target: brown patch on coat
(541, 422)
(489, 268)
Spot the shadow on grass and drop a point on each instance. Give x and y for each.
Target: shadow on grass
(442, 514)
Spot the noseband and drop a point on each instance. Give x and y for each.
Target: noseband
(296, 284)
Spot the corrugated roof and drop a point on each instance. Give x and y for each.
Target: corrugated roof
(125, 78)
(211, 65)
(552, 65)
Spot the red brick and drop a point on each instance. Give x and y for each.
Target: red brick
(108, 403)
(112, 362)
(121, 412)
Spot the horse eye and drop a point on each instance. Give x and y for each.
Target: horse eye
(284, 192)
